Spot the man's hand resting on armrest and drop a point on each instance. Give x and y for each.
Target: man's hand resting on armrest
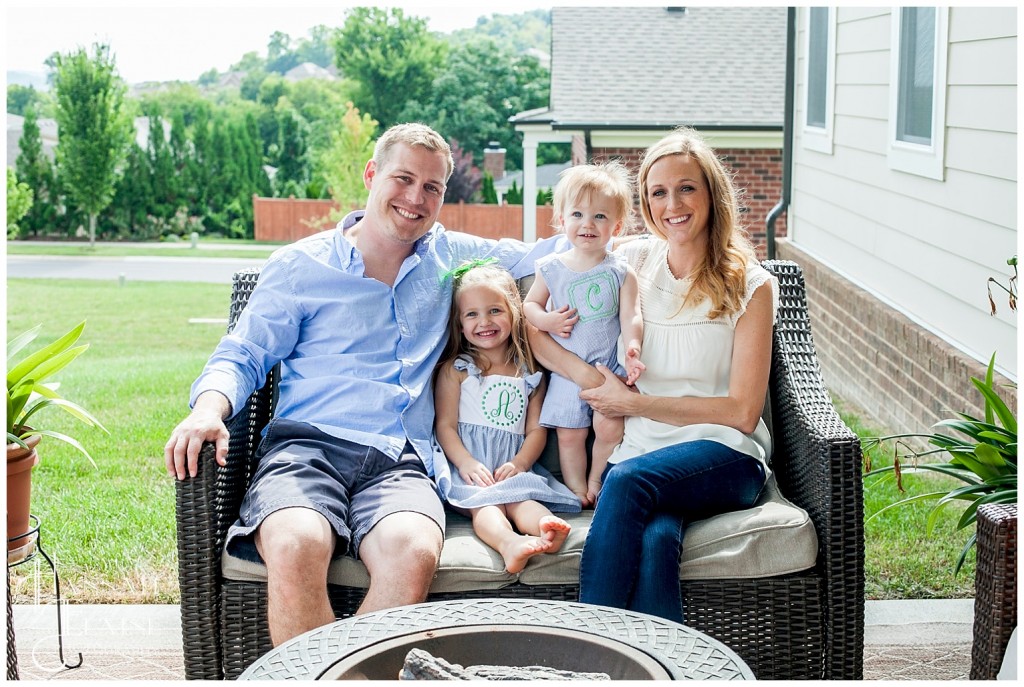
(204, 424)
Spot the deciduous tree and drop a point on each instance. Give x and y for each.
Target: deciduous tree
(94, 128)
(342, 163)
(393, 57)
(19, 200)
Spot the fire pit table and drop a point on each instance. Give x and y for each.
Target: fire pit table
(509, 632)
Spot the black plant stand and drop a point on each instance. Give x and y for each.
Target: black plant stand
(27, 538)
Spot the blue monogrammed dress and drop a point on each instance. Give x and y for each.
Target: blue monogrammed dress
(492, 426)
(595, 296)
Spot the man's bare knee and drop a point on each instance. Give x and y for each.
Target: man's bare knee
(295, 537)
(401, 554)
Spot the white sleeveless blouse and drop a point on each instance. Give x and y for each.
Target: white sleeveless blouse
(686, 354)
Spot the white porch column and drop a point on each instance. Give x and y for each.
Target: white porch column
(529, 188)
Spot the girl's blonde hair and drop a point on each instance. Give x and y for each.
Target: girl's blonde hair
(722, 276)
(610, 179)
(519, 353)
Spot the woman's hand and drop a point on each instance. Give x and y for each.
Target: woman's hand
(476, 473)
(613, 398)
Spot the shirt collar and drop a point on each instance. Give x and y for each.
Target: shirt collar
(347, 252)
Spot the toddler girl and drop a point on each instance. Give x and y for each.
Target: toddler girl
(591, 204)
(487, 397)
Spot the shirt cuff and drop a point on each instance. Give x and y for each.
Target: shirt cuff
(221, 382)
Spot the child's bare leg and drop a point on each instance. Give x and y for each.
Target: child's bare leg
(572, 458)
(492, 525)
(607, 435)
(531, 517)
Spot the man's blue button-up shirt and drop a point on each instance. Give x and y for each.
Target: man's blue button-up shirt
(357, 356)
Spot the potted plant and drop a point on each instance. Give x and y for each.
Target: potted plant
(984, 460)
(28, 393)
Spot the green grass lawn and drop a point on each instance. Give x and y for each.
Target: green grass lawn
(111, 528)
(901, 560)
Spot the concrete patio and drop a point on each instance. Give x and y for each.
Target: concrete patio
(904, 640)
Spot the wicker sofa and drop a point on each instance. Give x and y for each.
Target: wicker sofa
(807, 624)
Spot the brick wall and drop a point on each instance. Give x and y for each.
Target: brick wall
(873, 356)
(757, 173)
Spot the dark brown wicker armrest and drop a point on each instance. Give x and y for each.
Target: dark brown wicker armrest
(205, 507)
(817, 461)
(995, 598)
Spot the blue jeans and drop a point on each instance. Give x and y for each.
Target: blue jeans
(631, 556)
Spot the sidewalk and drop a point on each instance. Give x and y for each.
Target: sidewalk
(904, 640)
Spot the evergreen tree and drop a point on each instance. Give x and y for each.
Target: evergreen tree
(179, 146)
(128, 211)
(487, 191)
(260, 182)
(162, 176)
(293, 163)
(95, 128)
(199, 165)
(34, 169)
(514, 196)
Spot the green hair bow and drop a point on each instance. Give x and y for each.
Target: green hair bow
(456, 272)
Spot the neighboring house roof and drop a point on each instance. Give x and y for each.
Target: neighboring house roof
(230, 79)
(48, 134)
(309, 70)
(657, 67)
(15, 128)
(547, 177)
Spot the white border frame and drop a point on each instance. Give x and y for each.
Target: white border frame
(916, 158)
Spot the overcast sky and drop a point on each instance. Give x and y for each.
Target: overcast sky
(163, 41)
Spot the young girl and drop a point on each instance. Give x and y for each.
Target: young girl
(591, 204)
(487, 397)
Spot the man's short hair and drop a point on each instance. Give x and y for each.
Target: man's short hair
(413, 134)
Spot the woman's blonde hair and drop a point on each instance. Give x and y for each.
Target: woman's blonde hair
(519, 353)
(721, 277)
(610, 179)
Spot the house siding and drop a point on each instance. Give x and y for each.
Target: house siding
(921, 249)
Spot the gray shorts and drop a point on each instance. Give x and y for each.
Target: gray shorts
(351, 485)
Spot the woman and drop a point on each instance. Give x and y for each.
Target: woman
(694, 443)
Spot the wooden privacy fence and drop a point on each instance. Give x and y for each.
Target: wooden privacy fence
(290, 219)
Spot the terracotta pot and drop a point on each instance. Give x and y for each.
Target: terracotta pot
(20, 462)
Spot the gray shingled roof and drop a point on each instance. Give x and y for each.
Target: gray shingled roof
(652, 67)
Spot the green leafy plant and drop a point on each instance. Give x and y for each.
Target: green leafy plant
(985, 461)
(28, 392)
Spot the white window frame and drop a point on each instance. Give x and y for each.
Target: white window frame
(926, 160)
(815, 137)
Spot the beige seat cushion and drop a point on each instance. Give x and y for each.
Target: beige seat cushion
(772, 538)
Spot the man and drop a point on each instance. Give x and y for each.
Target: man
(357, 318)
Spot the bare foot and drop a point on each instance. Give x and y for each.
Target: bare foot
(583, 497)
(579, 488)
(554, 530)
(521, 549)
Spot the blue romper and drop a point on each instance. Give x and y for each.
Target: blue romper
(492, 426)
(595, 296)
